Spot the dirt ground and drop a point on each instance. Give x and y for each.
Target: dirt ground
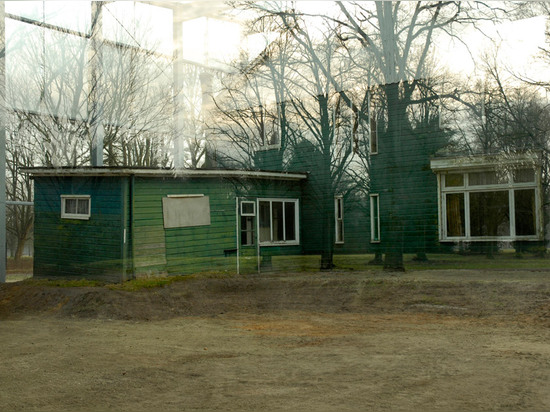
(427, 340)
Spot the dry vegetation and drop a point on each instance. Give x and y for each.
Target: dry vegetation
(363, 340)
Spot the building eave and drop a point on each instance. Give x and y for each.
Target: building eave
(144, 172)
(443, 164)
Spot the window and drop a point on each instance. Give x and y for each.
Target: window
(278, 221)
(455, 214)
(269, 128)
(454, 180)
(373, 128)
(248, 208)
(490, 205)
(75, 207)
(248, 211)
(186, 210)
(339, 219)
(374, 219)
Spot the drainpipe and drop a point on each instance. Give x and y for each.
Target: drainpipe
(131, 228)
(237, 232)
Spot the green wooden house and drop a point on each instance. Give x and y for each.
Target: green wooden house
(119, 223)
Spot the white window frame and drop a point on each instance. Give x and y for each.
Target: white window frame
(375, 224)
(296, 222)
(338, 219)
(269, 146)
(466, 189)
(372, 119)
(80, 216)
(248, 202)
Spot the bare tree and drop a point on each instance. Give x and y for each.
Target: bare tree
(314, 129)
(64, 82)
(54, 96)
(18, 186)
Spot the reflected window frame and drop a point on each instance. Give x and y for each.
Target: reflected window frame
(80, 202)
(273, 231)
(507, 182)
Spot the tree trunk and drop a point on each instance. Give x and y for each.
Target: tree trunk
(326, 197)
(19, 250)
(396, 190)
(378, 260)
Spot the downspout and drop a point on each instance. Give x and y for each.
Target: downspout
(130, 237)
(237, 231)
(124, 240)
(258, 234)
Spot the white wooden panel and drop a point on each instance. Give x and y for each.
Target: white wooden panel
(186, 211)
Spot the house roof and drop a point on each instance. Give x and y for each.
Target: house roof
(156, 172)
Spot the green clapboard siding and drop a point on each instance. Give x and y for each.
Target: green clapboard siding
(198, 248)
(75, 248)
(401, 175)
(255, 189)
(125, 235)
(181, 250)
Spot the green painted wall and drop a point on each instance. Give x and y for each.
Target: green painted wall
(356, 226)
(181, 250)
(70, 247)
(408, 192)
(125, 235)
(260, 188)
(199, 248)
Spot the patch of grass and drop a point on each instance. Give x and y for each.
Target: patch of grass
(63, 283)
(143, 283)
(360, 262)
(152, 282)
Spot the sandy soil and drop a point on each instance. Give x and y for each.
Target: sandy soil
(453, 341)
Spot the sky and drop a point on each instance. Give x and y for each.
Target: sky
(518, 44)
(215, 42)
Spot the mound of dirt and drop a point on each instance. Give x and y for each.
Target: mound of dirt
(319, 292)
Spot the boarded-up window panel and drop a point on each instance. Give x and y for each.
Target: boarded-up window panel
(186, 211)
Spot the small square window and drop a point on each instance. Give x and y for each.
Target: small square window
(75, 207)
(248, 208)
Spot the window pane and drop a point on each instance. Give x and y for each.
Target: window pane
(247, 230)
(524, 202)
(453, 180)
(455, 214)
(265, 222)
(489, 214)
(373, 136)
(339, 205)
(83, 206)
(339, 231)
(247, 208)
(290, 220)
(70, 206)
(277, 215)
(524, 175)
(374, 219)
(487, 178)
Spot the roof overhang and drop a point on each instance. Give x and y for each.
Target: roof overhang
(444, 164)
(166, 173)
